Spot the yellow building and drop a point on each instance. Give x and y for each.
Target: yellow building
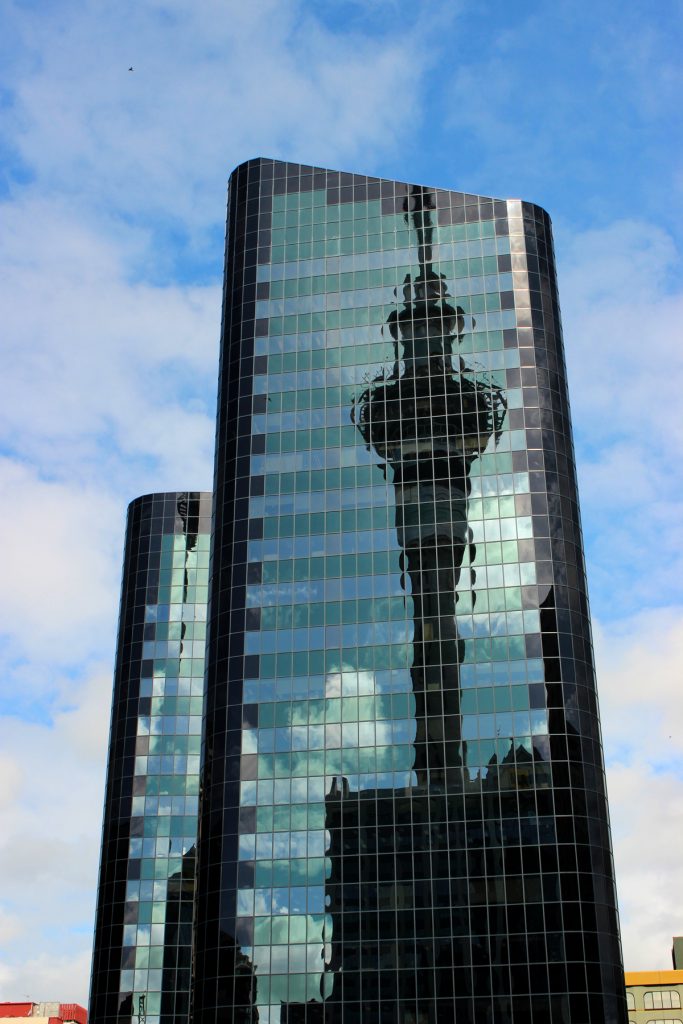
(654, 997)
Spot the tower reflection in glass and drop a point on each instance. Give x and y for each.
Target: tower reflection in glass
(403, 810)
(427, 421)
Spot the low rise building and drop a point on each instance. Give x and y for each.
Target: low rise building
(654, 997)
(43, 1013)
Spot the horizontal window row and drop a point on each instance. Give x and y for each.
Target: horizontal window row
(400, 759)
(302, 360)
(177, 543)
(471, 241)
(316, 241)
(434, 506)
(176, 705)
(266, 796)
(165, 787)
(143, 934)
(467, 277)
(150, 765)
(499, 480)
(175, 612)
(374, 707)
(170, 746)
(282, 901)
(394, 656)
(374, 564)
(181, 575)
(169, 826)
(157, 764)
(183, 767)
(181, 667)
(491, 313)
(439, 434)
(173, 649)
(376, 287)
(663, 999)
(265, 642)
(373, 711)
(494, 464)
(176, 631)
(169, 686)
(347, 736)
(156, 890)
(307, 396)
(334, 735)
(388, 267)
(397, 679)
(345, 219)
(285, 868)
(147, 981)
(315, 197)
(297, 616)
(157, 867)
(347, 188)
(266, 846)
(478, 341)
(164, 725)
(361, 495)
(354, 683)
(180, 595)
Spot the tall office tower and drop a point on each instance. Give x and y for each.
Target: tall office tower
(143, 932)
(403, 813)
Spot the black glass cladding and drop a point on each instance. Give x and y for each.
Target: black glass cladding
(158, 525)
(448, 873)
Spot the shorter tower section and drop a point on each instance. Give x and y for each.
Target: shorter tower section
(142, 954)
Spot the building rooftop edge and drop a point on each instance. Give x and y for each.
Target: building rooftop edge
(654, 977)
(166, 494)
(377, 177)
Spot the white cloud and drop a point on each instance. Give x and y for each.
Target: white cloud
(640, 678)
(62, 561)
(622, 312)
(49, 844)
(211, 86)
(49, 977)
(95, 366)
(625, 341)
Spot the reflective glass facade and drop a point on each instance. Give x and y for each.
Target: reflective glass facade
(143, 936)
(403, 807)
(403, 812)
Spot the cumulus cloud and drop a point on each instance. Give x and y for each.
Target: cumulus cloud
(62, 561)
(211, 86)
(100, 369)
(622, 312)
(52, 791)
(640, 668)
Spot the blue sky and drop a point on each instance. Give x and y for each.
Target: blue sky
(112, 195)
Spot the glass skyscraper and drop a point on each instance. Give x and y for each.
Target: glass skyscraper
(403, 813)
(143, 934)
(403, 816)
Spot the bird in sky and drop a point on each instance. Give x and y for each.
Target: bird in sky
(131, 69)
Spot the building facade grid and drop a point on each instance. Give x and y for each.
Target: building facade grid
(403, 813)
(143, 934)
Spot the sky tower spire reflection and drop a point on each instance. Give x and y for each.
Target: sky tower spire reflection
(428, 421)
